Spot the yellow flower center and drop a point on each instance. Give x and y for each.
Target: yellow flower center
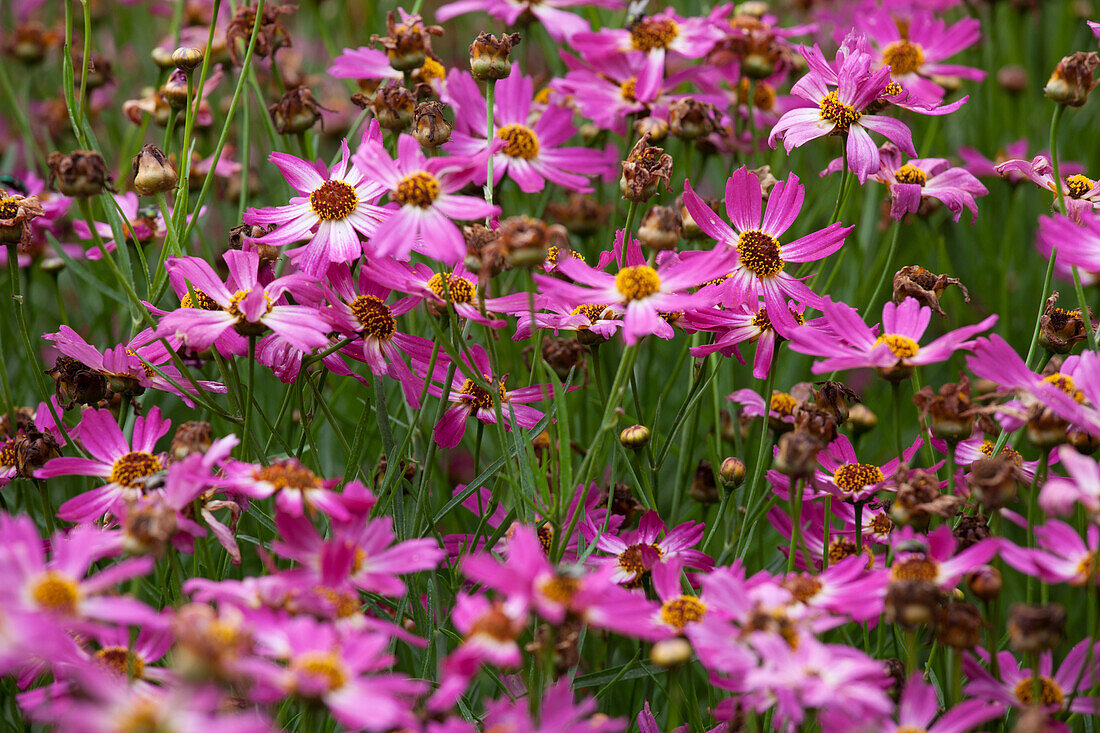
(1049, 691)
(893, 89)
(482, 399)
(432, 69)
(637, 282)
(681, 611)
(324, 667)
(909, 173)
(131, 468)
(782, 403)
(759, 253)
(9, 207)
(234, 308)
(802, 587)
(204, 301)
(903, 57)
(594, 311)
(7, 454)
(419, 189)
(519, 141)
(288, 474)
(121, 661)
(1065, 383)
(144, 716)
(650, 33)
(333, 200)
(374, 316)
(560, 588)
(915, 567)
(1090, 565)
(763, 97)
(631, 559)
(459, 289)
(852, 477)
(627, 89)
(902, 347)
(495, 624)
(56, 592)
(840, 114)
(1078, 185)
(987, 448)
(880, 525)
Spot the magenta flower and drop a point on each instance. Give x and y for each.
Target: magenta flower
(843, 476)
(858, 83)
(530, 153)
(1077, 239)
(760, 258)
(363, 63)
(1064, 690)
(1081, 193)
(558, 714)
(141, 226)
(125, 464)
(297, 489)
(637, 552)
(1061, 556)
(333, 209)
(251, 310)
(639, 292)
(1082, 486)
(427, 192)
(740, 324)
(560, 24)
(895, 348)
(607, 92)
(588, 321)
(919, 707)
(457, 288)
(939, 564)
(470, 400)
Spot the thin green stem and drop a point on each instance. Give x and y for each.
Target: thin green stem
(490, 111)
(252, 390)
(886, 267)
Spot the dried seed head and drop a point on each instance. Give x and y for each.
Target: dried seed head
(30, 43)
(952, 418)
(295, 112)
(959, 625)
(1059, 329)
(76, 383)
(660, 228)
(1072, 80)
(703, 487)
(81, 173)
(581, 214)
(971, 529)
(524, 241)
(643, 170)
(489, 56)
(911, 603)
(984, 582)
(193, 436)
(797, 454)
(1033, 629)
(689, 119)
(430, 126)
(271, 36)
(31, 450)
(689, 228)
(152, 171)
(994, 481)
(394, 105)
(563, 355)
(408, 44)
(918, 498)
(913, 281)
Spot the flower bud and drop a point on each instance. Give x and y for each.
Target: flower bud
(1071, 81)
(489, 56)
(175, 91)
(187, 59)
(1033, 629)
(668, 653)
(660, 228)
(732, 472)
(81, 173)
(635, 437)
(689, 119)
(862, 419)
(655, 127)
(153, 173)
(984, 582)
(430, 127)
(162, 57)
(703, 488)
(643, 170)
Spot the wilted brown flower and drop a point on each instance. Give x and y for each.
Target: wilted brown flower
(430, 126)
(32, 448)
(643, 170)
(797, 454)
(918, 498)
(563, 355)
(523, 241)
(971, 529)
(271, 36)
(30, 43)
(1036, 628)
(688, 226)
(81, 173)
(153, 173)
(1059, 329)
(913, 281)
(911, 603)
(16, 214)
(704, 489)
(951, 416)
(241, 236)
(76, 383)
(408, 43)
(393, 105)
(689, 119)
(1072, 81)
(295, 112)
(489, 55)
(99, 72)
(581, 214)
(994, 481)
(623, 502)
(959, 625)
(818, 422)
(833, 397)
(148, 528)
(984, 582)
(660, 228)
(193, 436)
(482, 256)
(151, 102)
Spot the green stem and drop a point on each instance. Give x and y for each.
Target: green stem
(252, 390)
(490, 110)
(84, 62)
(896, 228)
(631, 210)
(898, 404)
(796, 521)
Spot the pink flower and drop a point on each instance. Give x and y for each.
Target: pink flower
(637, 552)
(297, 489)
(251, 310)
(922, 178)
(738, 325)
(939, 563)
(844, 477)
(141, 226)
(1081, 194)
(530, 153)
(1016, 687)
(559, 714)
(1061, 556)
(126, 464)
(333, 209)
(457, 288)
(1077, 240)
(760, 258)
(363, 63)
(895, 348)
(919, 707)
(1082, 486)
(559, 24)
(426, 190)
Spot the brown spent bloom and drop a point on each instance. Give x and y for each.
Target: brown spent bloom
(393, 105)
(704, 489)
(1045, 429)
(690, 119)
(193, 436)
(271, 36)
(910, 603)
(489, 56)
(918, 498)
(482, 255)
(148, 528)
(643, 170)
(797, 454)
(913, 281)
(581, 214)
(30, 43)
(833, 397)
(32, 449)
(77, 383)
(1059, 329)
(16, 214)
(623, 502)
(952, 418)
(430, 127)
(984, 582)
(153, 173)
(994, 481)
(409, 43)
(959, 625)
(1036, 628)
(688, 227)
(1072, 81)
(81, 173)
(563, 355)
(971, 529)
(660, 228)
(524, 241)
(98, 74)
(242, 236)
(295, 112)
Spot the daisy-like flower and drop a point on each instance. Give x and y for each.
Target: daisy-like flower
(843, 110)
(57, 587)
(456, 289)
(1082, 486)
(1064, 690)
(1077, 241)
(640, 293)
(592, 322)
(939, 564)
(559, 23)
(607, 92)
(637, 552)
(920, 178)
(1081, 193)
(758, 270)
(738, 325)
(333, 209)
(142, 225)
(984, 167)
(297, 489)
(468, 399)
(250, 311)
(810, 555)
(919, 707)
(1061, 556)
(426, 190)
(894, 351)
(843, 476)
(558, 714)
(915, 47)
(125, 464)
(781, 405)
(531, 153)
